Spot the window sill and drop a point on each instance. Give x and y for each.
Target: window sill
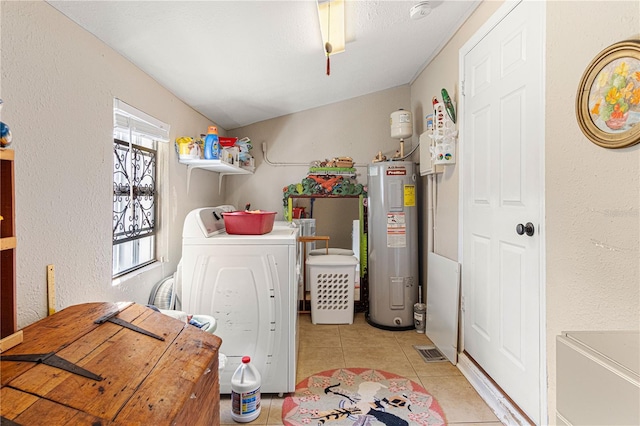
(134, 274)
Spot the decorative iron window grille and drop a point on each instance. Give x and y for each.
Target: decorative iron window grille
(134, 191)
(136, 135)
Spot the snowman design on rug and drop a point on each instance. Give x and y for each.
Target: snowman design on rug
(365, 407)
(360, 397)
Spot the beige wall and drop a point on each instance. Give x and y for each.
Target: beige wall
(441, 73)
(357, 128)
(58, 85)
(592, 194)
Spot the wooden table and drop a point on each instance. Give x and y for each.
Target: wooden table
(145, 381)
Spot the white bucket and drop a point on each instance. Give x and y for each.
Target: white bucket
(245, 392)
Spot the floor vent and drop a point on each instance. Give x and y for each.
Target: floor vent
(430, 353)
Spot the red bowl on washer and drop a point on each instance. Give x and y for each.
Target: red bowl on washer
(249, 223)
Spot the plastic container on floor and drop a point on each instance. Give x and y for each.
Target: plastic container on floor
(245, 392)
(332, 280)
(419, 316)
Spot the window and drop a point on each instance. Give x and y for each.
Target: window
(135, 138)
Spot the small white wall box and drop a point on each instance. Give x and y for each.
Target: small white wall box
(444, 136)
(332, 288)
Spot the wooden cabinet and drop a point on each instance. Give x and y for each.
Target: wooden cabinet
(8, 314)
(144, 380)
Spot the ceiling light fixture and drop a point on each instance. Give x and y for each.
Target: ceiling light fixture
(420, 10)
(331, 15)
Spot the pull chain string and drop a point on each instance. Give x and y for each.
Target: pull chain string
(326, 47)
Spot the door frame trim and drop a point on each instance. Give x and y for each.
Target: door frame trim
(501, 406)
(481, 385)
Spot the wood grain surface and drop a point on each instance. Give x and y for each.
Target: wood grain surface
(145, 381)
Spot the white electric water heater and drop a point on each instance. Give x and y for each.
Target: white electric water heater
(393, 244)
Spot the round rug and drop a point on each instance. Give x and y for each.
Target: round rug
(362, 397)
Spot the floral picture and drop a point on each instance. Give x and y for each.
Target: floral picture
(608, 99)
(614, 100)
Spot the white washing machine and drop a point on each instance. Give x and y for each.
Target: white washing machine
(249, 283)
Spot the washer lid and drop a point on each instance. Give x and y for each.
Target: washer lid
(210, 220)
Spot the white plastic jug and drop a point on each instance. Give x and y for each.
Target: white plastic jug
(245, 392)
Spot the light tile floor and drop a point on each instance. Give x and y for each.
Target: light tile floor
(359, 345)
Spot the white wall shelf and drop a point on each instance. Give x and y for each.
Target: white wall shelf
(217, 166)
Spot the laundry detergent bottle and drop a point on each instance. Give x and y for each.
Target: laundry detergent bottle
(212, 144)
(245, 392)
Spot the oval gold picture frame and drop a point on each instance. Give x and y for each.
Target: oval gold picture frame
(608, 98)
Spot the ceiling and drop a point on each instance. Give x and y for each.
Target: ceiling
(241, 62)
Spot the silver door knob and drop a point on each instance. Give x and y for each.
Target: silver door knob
(525, 229)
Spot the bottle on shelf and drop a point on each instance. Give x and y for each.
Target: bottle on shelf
(212, 144)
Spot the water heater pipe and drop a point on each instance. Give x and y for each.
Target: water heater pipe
(266, 159)
(279, 164)
(430, 213)
(410, 152)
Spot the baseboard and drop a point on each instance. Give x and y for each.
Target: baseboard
(501, 406)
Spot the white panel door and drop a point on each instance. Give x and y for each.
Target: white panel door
(501, 188)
